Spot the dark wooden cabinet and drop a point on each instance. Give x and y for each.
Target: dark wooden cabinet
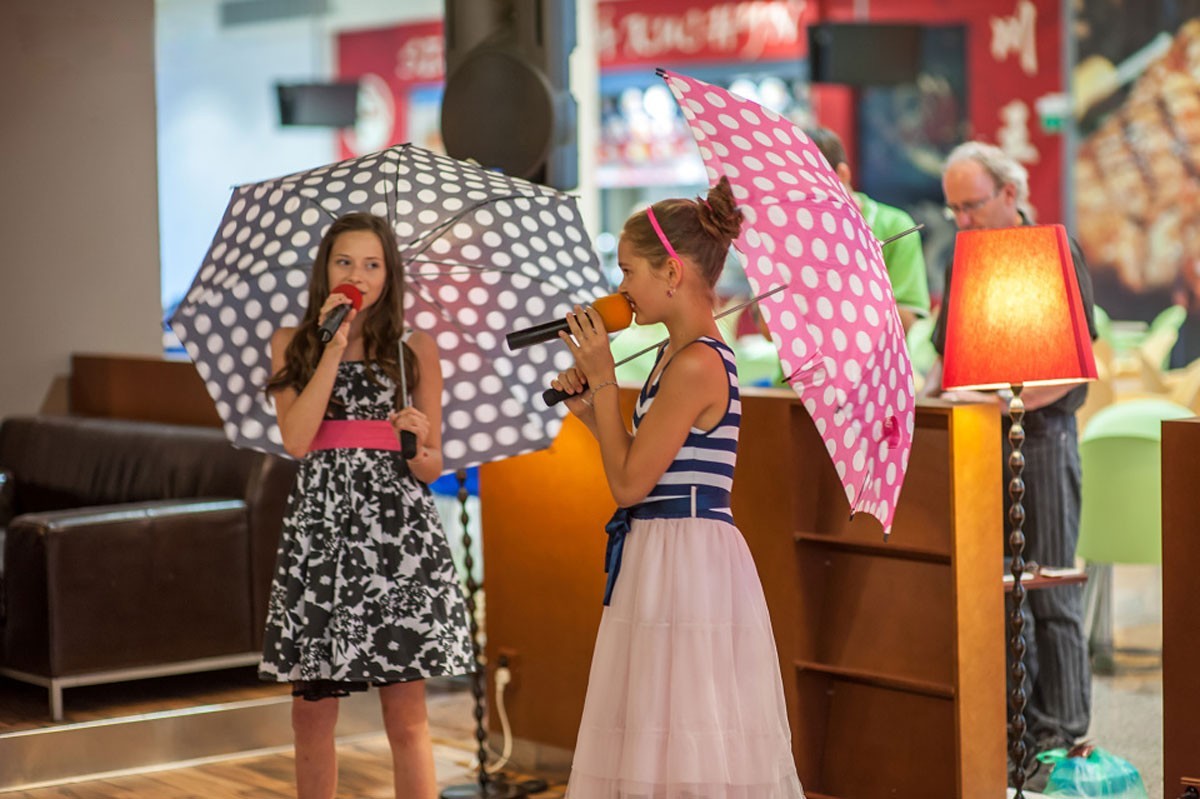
(1180, 605)
(892, 653)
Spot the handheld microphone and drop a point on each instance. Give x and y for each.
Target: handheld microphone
(338, 314)
(614, 310)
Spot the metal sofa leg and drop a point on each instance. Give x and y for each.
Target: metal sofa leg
(56, 700)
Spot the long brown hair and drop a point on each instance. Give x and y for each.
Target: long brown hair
(382, 327)
(702, 229)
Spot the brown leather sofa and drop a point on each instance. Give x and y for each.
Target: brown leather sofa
(132, 549)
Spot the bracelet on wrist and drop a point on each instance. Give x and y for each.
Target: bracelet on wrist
(591, 396)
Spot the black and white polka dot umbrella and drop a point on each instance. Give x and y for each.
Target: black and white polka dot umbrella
(483, 253)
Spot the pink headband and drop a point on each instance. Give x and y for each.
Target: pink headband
(662, 236)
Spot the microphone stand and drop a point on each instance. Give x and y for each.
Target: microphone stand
(485, 788)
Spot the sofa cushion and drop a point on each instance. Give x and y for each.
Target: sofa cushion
(68, 462)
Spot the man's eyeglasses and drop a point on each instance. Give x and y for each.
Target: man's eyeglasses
(951, 210)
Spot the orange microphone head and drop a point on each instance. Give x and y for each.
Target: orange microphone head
(615, 311)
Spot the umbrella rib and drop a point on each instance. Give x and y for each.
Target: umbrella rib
(721, 315)
(471, 268)
(425, 240)
(901, 234)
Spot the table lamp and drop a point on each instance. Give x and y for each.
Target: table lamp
(1015, 318)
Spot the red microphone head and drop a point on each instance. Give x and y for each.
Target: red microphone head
(350, 291)
(615, 311)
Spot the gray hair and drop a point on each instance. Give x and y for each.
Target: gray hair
(1000, 165)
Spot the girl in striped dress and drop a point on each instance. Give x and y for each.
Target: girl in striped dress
(685, 699)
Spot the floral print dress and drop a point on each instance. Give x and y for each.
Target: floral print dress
(365, 589)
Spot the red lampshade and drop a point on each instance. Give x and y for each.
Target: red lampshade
(1015, 315)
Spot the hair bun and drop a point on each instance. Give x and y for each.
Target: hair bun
(718, 213)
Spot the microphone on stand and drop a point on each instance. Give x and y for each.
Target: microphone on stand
(614, 310)
(338, 314)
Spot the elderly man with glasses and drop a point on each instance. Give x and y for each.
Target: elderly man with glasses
(985, 188)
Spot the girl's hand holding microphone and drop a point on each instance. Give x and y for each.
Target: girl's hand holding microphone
(574, 383)
(594, 368)
(341, 337)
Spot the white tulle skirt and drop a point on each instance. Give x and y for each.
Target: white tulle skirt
(685, 699)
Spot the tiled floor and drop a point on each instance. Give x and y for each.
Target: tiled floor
(1127, 706)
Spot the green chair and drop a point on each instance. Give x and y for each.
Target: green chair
(1121, 515)
(757, 361)
(1161, 336)
(1103, 322)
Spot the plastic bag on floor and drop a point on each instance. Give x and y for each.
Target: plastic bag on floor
(1087, 771)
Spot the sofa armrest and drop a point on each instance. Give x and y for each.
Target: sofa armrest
(7, 497)
(122, 586)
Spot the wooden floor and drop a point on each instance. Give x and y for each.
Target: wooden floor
(365, 772)
(365, 762)
(24, 706)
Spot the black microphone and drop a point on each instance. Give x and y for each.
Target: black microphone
(614, 310)
(338, 314)
(553, 396)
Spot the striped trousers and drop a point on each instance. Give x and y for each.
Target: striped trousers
(1058, 684)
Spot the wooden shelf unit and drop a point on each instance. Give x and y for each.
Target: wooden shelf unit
(892, 653)
(1180, 605)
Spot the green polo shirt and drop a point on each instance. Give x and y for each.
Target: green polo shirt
(904, 258)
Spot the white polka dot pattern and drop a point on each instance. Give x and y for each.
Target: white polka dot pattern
(837, 329)
(484, 254)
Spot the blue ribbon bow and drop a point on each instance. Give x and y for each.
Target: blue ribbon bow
(617, 528)
(701, 502)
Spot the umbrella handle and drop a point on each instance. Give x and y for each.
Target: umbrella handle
(408, 444)
(408, 439)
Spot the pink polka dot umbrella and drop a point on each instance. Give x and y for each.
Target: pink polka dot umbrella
(483, 254)
(837, 330)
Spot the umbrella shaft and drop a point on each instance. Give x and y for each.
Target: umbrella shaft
(721, 315)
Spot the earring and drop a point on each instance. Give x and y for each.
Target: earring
(670, 293)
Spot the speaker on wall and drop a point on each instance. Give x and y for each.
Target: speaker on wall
(507, 102)
(329, 105)
(864, 54)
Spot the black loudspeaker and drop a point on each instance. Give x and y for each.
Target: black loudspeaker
(329, 105)
(507, 102)
(864, 54)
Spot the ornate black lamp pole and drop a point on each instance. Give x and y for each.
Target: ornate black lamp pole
(1016, 621)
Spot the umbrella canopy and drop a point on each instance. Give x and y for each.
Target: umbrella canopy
(837, 330)
(483, 254)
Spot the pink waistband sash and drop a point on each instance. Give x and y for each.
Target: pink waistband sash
(355, 434)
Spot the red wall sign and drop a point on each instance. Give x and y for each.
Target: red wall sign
(680, 31)
(389, 63)
(1014, 60)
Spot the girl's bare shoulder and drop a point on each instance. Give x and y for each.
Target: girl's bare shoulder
(422, 343)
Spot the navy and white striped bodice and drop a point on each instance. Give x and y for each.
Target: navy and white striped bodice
(704, 465)
(698, 482)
